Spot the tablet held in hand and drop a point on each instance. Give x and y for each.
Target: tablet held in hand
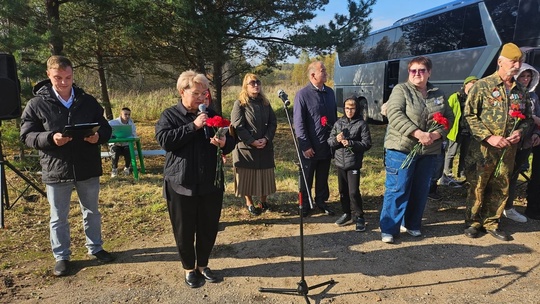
(80, 130)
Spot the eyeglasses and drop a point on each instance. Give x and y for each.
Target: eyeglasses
(199, 95)
(420, 71)
(254, 82)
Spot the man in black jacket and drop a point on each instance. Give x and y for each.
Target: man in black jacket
(67, 161)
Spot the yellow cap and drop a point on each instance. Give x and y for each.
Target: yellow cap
(511, 51)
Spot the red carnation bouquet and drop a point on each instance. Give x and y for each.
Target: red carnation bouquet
(518, 116)
(438, 121)
(219, 124)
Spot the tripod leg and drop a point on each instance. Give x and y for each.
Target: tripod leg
(329, 282)
(4, 199)
(278, 290)
(26, 179)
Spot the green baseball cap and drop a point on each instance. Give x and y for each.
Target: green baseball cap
(469, 79)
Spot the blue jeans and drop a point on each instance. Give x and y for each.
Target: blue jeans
(406, 191)
(59, 197)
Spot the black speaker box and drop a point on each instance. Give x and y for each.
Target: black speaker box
(10, 99)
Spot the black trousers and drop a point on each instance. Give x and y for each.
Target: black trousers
(195, 224)
(533, 187)
(522, 157)
(349, 191)
(116, 151)
(318, 169)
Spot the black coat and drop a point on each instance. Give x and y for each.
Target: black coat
(45, 115)
(356, 130)
(190, 161)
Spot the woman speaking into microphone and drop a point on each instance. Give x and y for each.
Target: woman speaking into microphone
(193, 178)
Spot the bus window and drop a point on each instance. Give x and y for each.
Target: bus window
(356, 55)
(528, 23)
(503, 13)
(473, 33)
(457, 29)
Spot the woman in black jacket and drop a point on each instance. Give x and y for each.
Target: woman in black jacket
(193, 191)
(350, 138)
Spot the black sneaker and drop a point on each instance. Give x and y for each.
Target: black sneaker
(327, 211)
(345, 219)
(103, 256)
(253, 210)
(264, 207)
(360, 224)
(61, 268)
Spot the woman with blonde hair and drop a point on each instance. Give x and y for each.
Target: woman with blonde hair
(254, 122)
(194, 198)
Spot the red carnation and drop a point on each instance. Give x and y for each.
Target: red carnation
(324, 121)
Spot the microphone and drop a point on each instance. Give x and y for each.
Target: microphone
(284, 97)
(202, 109)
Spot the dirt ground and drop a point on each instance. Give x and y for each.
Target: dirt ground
(441, 266)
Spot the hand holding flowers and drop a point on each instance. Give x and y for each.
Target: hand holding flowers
(515, 113)
(219, 125)
(438, 121)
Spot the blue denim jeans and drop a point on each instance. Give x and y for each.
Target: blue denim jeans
(59, 197)
(406, 191)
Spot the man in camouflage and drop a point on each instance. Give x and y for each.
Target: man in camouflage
(491, 111)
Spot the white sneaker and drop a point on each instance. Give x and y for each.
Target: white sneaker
(127, 171)
(414, 233)
(114, 172)
(446, 180)
(514, 215)
(387, 238)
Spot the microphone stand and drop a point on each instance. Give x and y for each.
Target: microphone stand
(302, 288)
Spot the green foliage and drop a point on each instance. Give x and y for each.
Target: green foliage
(10, 133)
(121, 39)
(299, 75)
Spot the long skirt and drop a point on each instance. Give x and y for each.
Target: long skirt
(254, 182)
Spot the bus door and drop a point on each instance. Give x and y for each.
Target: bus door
(391, 79)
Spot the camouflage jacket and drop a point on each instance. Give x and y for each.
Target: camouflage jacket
(487, 109)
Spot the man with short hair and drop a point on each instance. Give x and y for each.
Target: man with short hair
(491, 111)
(122, 148)
(67, 161)
(315, 112)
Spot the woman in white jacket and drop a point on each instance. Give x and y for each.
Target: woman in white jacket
(528, 77)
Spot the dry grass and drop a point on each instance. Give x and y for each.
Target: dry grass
(135, 209)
